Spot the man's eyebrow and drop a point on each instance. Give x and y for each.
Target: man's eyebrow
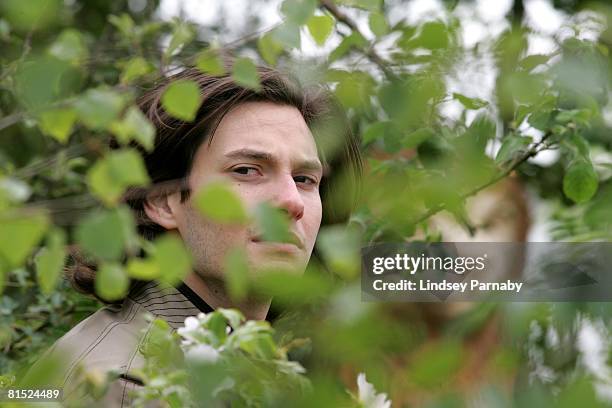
(250, 154)
(308, 164)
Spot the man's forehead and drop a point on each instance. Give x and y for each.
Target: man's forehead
(265, 115)
(266, 128)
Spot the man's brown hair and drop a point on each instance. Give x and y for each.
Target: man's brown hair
(176, 142)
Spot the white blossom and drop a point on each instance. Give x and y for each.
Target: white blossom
(191, 326)
(368, 396)
(202, 353)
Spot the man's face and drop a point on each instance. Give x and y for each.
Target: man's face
(266, 153)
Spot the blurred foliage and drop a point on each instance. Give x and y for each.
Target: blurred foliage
(70, 73)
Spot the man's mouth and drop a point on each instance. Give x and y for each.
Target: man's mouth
(291, 244)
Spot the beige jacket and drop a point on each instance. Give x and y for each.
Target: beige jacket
(110, 339)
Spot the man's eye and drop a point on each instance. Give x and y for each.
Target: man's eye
(246, 171)
(305, 179)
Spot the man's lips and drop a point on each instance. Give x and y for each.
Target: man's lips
(277, 247)
(293, 241)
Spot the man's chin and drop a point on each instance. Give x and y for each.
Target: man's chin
(276, 256)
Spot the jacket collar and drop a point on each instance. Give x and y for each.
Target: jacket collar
(173, 304)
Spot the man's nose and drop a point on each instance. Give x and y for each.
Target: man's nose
(288, 198)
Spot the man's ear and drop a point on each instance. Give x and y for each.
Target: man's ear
(162, 209)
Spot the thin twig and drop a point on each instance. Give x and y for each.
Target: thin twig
(10, 120)
(43, 164)
(27, 47)
(522, 159)
(370, 52)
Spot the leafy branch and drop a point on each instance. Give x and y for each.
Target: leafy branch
(532, 152)
(371, 54)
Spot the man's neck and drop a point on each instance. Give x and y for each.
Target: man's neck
(214, 293)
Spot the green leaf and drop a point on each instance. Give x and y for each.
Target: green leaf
(50, 261)
(124, 24)
(102, 234)
(320, 27)
(143, 269)
(349, 94)
(135, 126)
(217, 324)
(578, 143)
(353, 41)
(232, 316)
(580, 181)
(5, 30)
(182, 99)
(521, 113)
(470, 103)
(42, 81)
(526, 88)
(388, 133)
(434, 35)
(269, 48)
(532, 61)
(287, 34)
(255, 338)
(273, 223)
(109, 177)
(580, 392)
(237, 273)
(181, 35)
(101, 183)
(98, 108)
(18, 234)
(435, 152)
(219, 203)
(481, 130)
(127, 167)
(354, 89)
(435, 365)
(134, 69)
(298, 11)
(339, 247)
(172, 258)
(378, 24)
(128, 231)
(31, 15)
(540, 119)
(58, 123)
(598, 215)
(69, 46)
(3, 277)
(579, 116)
(112, 282)
(209, 62)
(414, 139)
(375, 131)
(292, 289)
(245, 73)
(512, 146)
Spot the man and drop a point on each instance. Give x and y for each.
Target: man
(273, 145)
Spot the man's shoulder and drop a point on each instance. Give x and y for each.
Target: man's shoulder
(108, 340)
